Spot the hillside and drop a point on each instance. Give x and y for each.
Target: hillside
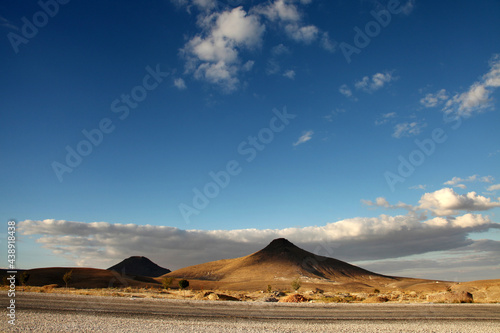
(84, 278)
(142, 266)
(280, 262)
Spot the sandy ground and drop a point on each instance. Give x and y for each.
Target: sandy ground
(33, 321)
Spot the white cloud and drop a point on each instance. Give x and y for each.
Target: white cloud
(287, 15)
(492, 78)
(408, 7)
(306, 34)
(382, 202)
(214, 56)
(329, 117)
(457, 181)
(408, 129)
(279, 10)
(180, 84)
(494, 153)
(495, 187)
(477, 98)
(345, 90)
(376, 82)
(248, 66)
(360, 238)
(327, 43)
(280, 49)
(384, 118)
(432, 100)
(199, 4)
(289, 74)
(304, 138)
(418, 187)
(447, 202)
(444, 202)
(273, 64)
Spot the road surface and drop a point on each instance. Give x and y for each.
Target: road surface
(73, 313)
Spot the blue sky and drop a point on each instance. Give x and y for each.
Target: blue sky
(363, 130)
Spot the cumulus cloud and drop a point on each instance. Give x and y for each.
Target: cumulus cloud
(289, 74)
(180, 84)
(304, 138)
(273, 64)
(214, 55)
(306, 34)
(477, 98)
(447, 202)
(345, 90)
(408, 7)
(443, 202)
(204, 5)
(287, 16)
(327, 43)
(432, 100)
(376, 82)
(280, 49)
(408, 129)
(351, 239)
(279, 10)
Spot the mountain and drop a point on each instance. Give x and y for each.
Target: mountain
(83, 278)
(136, 265)
(281, 261)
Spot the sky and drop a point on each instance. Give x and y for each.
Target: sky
(196, 130)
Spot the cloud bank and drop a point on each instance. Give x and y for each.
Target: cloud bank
(101, 244)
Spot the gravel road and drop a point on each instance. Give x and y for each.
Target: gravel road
(71, 313)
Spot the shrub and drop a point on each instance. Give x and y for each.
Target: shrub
(183, 284)
(23, 278)
(67, 277)
(269, 288)
(296, 284)
(166, 282)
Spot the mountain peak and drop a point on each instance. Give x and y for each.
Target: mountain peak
(279, 243)
(139, 265)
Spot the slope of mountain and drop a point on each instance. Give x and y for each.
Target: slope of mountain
(83, 278)
(136, 265)
(280, 261)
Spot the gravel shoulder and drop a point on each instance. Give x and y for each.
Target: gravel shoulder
(76, 313)
(41, 321)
